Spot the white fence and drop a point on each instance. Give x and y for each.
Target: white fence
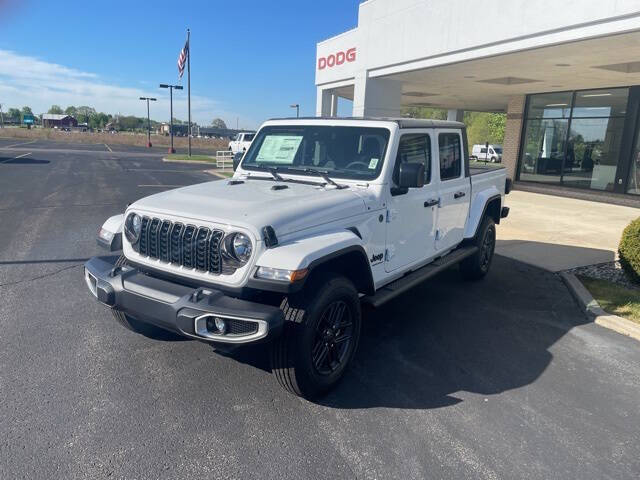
(224, 159)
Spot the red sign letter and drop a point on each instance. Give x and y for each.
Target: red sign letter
(351, 54)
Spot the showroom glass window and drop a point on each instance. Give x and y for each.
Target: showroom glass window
(573, 138)
(634, 174)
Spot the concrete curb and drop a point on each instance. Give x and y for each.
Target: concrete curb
(170, 160)
(594, 310)
(216, 173)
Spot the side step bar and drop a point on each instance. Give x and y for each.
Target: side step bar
(410, 280)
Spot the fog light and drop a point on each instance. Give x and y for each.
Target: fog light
(216, 325)
(221, 325)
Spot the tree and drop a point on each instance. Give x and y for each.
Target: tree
(218, 123)
(71, 111)
(55, 109)
(13, 114)
(425, 112)
(484, 127)
(27, 111)
(84, 113)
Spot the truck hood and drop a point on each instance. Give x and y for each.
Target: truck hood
(254, 204)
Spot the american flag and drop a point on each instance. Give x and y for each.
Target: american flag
(182, 59)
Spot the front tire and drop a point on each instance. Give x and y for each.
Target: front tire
(128, 322)
(477, 265)
(320, 337)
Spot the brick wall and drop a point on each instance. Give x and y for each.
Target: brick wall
(512, 130)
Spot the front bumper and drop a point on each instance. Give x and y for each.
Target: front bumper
(179, 308)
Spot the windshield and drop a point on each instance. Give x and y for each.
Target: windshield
(345, 152)
(248, 137)
(498, 150)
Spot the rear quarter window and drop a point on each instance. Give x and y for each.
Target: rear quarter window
(450, 149)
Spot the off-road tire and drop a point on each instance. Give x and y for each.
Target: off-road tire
(477, 265)
(292, 354)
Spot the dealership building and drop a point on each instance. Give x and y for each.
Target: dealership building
(567, 75)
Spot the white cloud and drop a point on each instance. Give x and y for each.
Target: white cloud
(39, 84)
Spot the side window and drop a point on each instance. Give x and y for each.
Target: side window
(483, 150)
(450, 156)
(414, 148)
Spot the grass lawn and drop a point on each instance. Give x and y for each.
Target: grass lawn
(192, 158)
(614, 299)
(475, 163)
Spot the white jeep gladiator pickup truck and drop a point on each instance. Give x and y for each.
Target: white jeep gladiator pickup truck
(241, 143)
(320, 217)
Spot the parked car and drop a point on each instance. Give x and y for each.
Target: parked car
(479, 153)
(241, 143)
(320, 217)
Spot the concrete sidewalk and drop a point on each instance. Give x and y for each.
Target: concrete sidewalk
(558, 233)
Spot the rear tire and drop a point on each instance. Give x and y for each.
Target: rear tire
(320, 337)
(477, 265)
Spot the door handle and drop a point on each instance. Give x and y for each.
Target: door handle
(459, 195)
(432, 202)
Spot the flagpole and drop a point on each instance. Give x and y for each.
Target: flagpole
(189, 84)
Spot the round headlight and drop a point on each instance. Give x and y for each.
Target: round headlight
(241, 247)
(132, 227)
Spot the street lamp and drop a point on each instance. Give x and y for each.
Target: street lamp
(297, 107)
(171, 87)
(148, 99)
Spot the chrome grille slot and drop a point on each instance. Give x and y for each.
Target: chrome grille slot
(214, 252)
(153, 238)
(144, 240)
(163, 254)
(186, 245)
(175, 243)
(202, 238)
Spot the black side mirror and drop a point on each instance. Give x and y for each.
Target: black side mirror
(236, 160)
(411, 175)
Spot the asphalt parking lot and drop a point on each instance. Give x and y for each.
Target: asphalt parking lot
(499, 379)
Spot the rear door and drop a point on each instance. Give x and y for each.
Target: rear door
(454, 189)
(411, 214)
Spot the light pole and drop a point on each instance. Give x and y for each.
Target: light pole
(1, 117)
(297, 107)
(171, 87)
(148, 99)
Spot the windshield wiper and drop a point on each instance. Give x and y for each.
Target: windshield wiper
(321, 173)
(274, 172)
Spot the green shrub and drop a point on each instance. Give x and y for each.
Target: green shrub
(629, 250)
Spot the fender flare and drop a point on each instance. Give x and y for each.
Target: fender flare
(312, 253)
(479, 208)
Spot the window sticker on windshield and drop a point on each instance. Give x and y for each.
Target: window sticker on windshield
(279, 149)
(373, 164)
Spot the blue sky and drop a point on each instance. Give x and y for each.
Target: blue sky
(250, 59)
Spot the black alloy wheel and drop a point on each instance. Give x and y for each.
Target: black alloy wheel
(333, 338)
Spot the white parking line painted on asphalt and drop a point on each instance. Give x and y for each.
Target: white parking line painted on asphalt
(14, 158)
(19, 144)
(108, 148)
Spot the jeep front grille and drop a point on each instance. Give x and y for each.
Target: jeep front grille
(186, 245)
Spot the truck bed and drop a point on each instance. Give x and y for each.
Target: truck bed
(480, 169)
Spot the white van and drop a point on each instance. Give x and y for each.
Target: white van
(479, 153)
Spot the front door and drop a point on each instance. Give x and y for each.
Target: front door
(454, 190)
(411, 214)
